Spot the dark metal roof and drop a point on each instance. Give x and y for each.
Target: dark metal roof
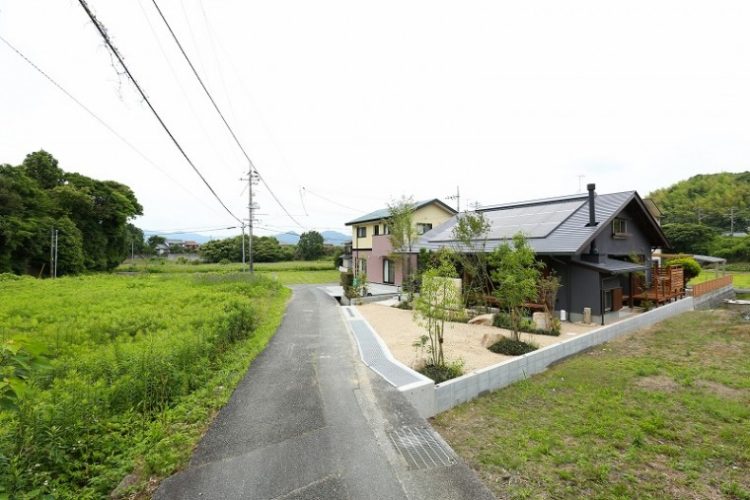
(612, 266)
(552, 225)
(384, 213)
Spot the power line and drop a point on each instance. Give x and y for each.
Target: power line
(330, 201)
(221, 115)
(185, 231)
(103, 32)
(101, 121)
(189, 101)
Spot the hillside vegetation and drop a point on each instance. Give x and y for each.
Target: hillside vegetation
(104, 376)
(699, 210)
(91, 217)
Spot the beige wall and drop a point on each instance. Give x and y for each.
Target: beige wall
(430, 214)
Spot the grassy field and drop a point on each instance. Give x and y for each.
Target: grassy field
(103, 376)
(739, 279)
(287, 273)
(664, 413)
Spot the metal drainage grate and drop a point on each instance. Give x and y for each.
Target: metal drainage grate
(422, 448)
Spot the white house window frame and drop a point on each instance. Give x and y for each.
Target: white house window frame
(423, 227)
(362, 232)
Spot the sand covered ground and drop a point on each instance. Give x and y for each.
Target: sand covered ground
(399, 330)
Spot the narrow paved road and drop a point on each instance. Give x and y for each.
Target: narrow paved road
(310, 421)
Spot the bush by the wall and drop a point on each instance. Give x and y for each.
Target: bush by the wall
(511, 347)
(502, 320)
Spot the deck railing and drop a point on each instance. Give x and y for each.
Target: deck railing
(711, 285)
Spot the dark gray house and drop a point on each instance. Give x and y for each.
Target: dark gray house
(594, 243)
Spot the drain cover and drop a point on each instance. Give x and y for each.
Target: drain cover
(422, 448)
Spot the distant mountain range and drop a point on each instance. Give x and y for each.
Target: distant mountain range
(329, 237)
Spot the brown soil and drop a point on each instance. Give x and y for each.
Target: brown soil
(658, 383)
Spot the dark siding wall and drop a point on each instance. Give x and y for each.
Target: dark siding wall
(636, 243)
(584, 284)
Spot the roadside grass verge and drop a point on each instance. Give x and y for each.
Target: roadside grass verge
(136, 367)
(160, 265)
(287, 273)
(739, 279)
(664, 413)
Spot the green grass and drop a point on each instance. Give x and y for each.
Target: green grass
(287, 273)
(739, 279)
(136, 367)
(664, 413)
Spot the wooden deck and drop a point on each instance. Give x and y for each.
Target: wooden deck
(667, 285)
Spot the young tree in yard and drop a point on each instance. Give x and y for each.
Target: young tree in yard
(310, 246)
(516, 276)
(438, 301)
(403, 235)
(470, 234)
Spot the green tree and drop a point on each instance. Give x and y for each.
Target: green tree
(310, 245)
(403, 235)
(470, 235)
(438, 301)
(690, 237)
(516, 275)
(154, 241)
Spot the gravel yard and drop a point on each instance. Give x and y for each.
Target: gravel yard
(399, 330)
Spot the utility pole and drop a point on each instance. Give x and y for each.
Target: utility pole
(456, 197)
(251, 178)
(52, 252)
(56, 240)
(243, 244)
(580, 178)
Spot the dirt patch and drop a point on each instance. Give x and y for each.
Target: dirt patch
(658, 383)
(720, 389)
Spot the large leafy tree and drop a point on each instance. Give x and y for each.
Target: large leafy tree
(690, 237)
(516, 275)
(91, 217)
(310, 245)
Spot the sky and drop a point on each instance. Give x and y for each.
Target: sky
(345, 107)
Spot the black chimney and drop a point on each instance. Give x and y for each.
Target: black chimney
(592, 206)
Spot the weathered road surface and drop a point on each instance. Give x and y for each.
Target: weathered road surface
(310, 421)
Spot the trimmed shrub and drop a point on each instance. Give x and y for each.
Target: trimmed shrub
(690, 266)
(441, 373)
(511, 347)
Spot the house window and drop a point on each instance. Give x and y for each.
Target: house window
(376, 229)
(423, 228)
(620, 228)
(362, 266)
(386, 229)
(362, 232)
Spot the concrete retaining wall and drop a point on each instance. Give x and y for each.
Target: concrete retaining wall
(474, 384)
(714, 298)
(431, 399)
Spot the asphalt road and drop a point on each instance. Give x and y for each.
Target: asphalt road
(310, 421)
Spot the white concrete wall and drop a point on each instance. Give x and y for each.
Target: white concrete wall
(479, 382)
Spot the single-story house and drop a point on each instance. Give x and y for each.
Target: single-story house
(595, 244)
(371, 245)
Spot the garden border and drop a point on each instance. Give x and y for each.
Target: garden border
(451, 393)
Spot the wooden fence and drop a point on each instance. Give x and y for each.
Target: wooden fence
(711, 285)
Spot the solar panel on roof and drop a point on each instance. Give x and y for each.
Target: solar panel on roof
(535, 221)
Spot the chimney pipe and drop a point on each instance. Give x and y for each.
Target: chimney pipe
(592, 206)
